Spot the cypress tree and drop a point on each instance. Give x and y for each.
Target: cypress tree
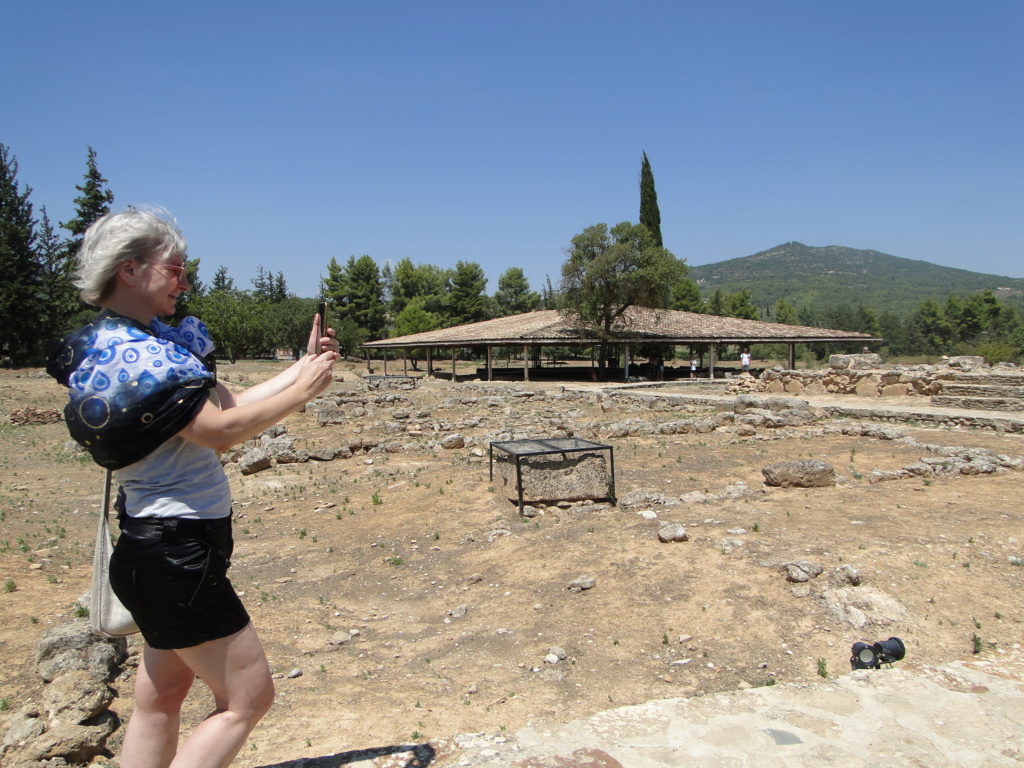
(650, 216)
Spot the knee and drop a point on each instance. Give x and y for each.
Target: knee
(259, 700)
(166, 697)
(265, 698)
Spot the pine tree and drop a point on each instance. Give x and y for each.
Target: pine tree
(222, 282)
(21, 283)
(356, 294)
(514, 296)
(61, 302)
(650, 216)
(467, 302)
(92, 204)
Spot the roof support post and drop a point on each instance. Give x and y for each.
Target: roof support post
(385, 361)
(430, 361)
(625, 362)
(526, 362)
(405, 363)
(454, 377)
(711, 360)
(792, 355)
(490, 364)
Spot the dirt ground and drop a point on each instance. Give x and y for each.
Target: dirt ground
(391, 544)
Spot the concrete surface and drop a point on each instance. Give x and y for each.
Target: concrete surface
(962, 714)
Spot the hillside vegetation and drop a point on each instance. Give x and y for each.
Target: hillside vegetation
(833, 275)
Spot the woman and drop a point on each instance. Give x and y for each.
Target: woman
(145, 402)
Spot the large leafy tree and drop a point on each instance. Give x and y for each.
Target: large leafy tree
(288, 323)
(234, 321)
(21, 283)
(607, 272)
(416, 319)
(467, 302)
(650, 214)
(514, 296)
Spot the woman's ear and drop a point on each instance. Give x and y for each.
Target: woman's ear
(127, 270)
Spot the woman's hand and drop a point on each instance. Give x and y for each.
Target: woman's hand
(316, 373)
(327, 338)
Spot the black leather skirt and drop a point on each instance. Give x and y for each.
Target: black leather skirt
(171, 574)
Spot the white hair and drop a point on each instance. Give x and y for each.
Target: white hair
(134, 233)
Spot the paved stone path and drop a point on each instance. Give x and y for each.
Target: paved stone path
(964, 715)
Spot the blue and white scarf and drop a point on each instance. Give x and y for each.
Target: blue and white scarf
(131, 387)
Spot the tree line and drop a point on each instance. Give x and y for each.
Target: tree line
(607, 270)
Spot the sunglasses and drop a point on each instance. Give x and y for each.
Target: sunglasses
(179, 272)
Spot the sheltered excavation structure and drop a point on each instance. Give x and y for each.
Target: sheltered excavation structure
(636, 326)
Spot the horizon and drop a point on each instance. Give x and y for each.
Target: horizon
(282, 136)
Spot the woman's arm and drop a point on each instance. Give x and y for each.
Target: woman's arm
(221, 429)
(287, 377)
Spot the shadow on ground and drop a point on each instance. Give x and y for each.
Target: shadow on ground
(420, 756)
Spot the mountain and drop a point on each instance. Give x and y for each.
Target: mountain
(833, 275)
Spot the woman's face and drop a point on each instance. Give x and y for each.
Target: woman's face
(162, 281)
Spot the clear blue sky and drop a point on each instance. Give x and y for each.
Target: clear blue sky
(284, 133)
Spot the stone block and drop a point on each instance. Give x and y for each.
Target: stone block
(806, 473)
(862, 362)
(557, 477)
(867, 387)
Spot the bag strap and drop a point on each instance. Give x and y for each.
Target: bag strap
(107, 482)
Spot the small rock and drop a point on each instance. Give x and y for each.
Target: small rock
(673, 532)
(582, 583)
(453, 441)
(294, 673)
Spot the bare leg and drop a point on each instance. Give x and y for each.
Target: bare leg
(236, 670)
(151, 737)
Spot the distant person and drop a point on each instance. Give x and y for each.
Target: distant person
(745, 360)
(694, 363)
(145, 401)
(659, 368)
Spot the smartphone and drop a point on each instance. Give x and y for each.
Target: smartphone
(321, 310)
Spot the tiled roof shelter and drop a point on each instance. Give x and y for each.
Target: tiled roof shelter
(637, 325)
